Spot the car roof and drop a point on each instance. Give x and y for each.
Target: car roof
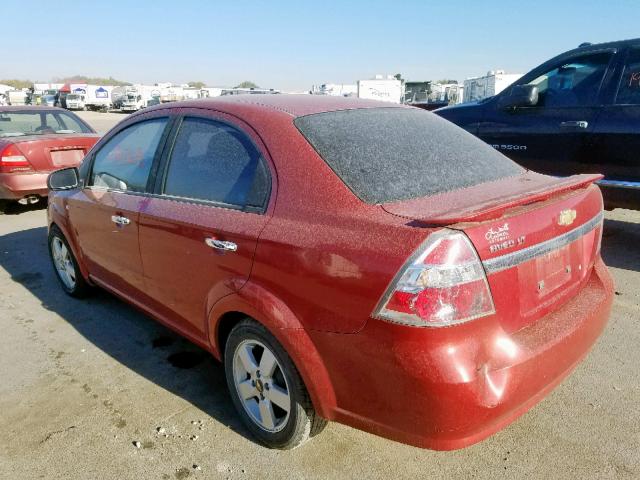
(612, 44)
(295, 105)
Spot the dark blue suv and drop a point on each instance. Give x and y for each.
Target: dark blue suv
(576, 113)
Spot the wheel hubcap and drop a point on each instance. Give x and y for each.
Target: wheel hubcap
(63, 263)
(261, 385)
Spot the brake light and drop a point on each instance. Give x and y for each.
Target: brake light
(442, 284)
(12, 160)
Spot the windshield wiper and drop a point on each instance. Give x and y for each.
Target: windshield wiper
(66, 131)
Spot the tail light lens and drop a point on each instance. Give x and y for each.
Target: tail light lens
(442, 284)
(12, 160)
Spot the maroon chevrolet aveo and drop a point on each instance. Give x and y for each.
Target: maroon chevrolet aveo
(347, 260)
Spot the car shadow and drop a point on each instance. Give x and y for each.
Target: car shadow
(621, 244)
(127, 335)
(15, 208)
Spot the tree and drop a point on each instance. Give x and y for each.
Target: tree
(91, 80)
(17, 84)
(246, 84)
(197, 84)
(447, 81)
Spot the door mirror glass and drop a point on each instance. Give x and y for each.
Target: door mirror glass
(520, 96)
(64, 179)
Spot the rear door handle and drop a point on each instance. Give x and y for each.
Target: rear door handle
(575, 124)
(221, 244)
(119, 220)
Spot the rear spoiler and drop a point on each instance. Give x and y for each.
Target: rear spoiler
(487, 200)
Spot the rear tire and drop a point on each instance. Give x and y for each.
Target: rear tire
(274, 404)
(66, 266)
(4, 206)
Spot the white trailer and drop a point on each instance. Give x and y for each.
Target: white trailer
(336, 89)
(98, 97)
(495, 81)
(385, 89)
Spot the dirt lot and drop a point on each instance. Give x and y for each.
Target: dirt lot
(81, 381)
(102, 122)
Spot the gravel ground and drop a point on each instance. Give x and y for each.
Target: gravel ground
(101, 122)
(95, 389)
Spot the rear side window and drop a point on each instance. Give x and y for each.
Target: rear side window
(629, 90)
(389, 154)
(215, 162)
(124, 162)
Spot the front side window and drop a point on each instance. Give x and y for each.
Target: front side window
(629, 90)
(215, 162)
(124, 162)
(574, 83)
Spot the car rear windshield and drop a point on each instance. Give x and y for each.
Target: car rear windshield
(13, 124)
(391, 154)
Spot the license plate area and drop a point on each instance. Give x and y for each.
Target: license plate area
(547, 279)
(66, 158)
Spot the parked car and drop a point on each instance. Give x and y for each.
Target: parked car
(34, 141)
(575, 113)
(341, 263)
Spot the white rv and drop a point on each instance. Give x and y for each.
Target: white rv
(478, 88)
(385, 89)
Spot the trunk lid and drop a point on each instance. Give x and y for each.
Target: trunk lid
(537, 236)
(46, 153)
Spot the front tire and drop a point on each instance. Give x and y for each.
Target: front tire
(267, 389)
(66, 265)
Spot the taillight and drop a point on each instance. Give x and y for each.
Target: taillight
(12, 160)
(442, 284)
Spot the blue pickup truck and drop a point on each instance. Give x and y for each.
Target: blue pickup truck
(576, 113)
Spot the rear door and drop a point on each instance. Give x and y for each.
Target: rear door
(617, 134)
(198, 233)
(552, 136)
(105, 212)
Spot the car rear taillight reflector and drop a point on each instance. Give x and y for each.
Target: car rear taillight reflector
(442, 284)
(12, 160)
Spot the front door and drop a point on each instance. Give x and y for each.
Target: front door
(198, 234)
(552, 136)
(105, 213)
(616, 146)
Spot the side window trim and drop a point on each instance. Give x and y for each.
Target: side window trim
(165, 160)
(156, 156)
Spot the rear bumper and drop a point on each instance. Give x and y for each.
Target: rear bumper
(448, 388)
(14, 186)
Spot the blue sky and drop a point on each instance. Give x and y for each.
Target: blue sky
(294, 44)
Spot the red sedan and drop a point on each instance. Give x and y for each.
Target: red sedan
(34, 141)
(347, 260)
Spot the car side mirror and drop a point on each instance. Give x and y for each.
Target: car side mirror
(519, 96)
(64, 179)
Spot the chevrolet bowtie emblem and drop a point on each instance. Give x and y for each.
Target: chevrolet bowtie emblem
(567, 217)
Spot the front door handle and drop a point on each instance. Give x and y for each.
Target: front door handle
(221, 244)
(575, 124)
(119, 220)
